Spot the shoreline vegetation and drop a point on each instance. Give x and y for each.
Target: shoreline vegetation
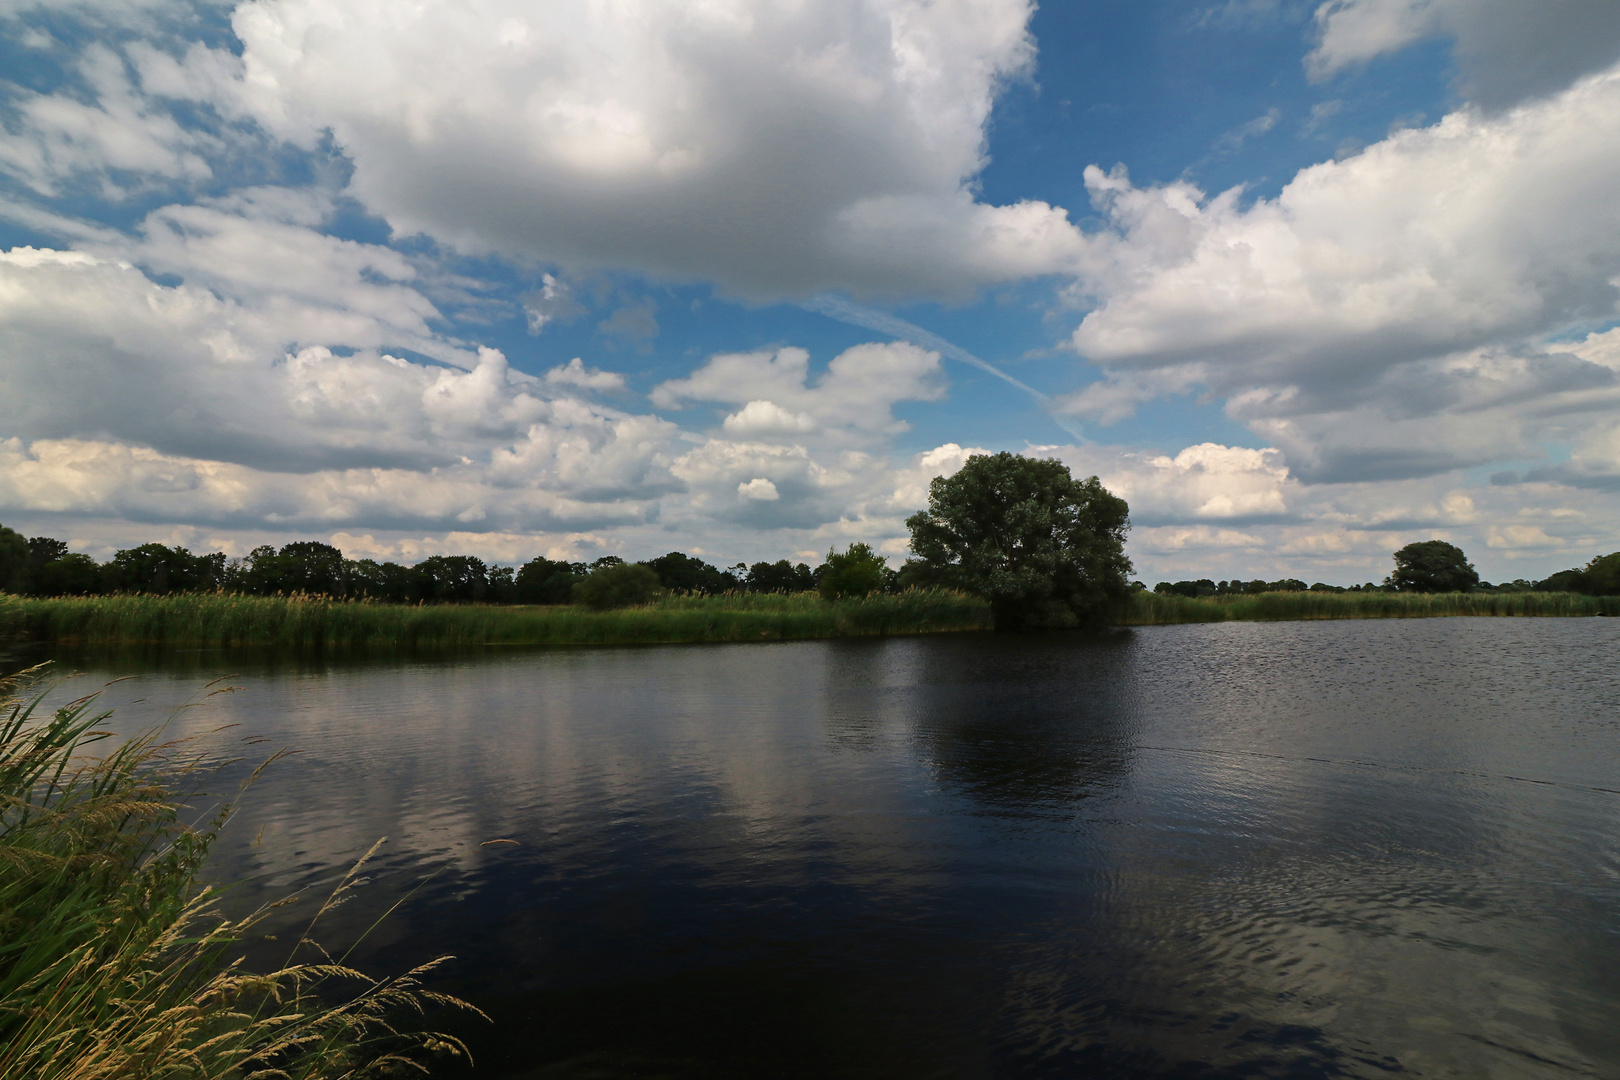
(1165, 609)
(117, 963)
(321, 624)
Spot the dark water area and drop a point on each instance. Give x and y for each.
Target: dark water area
(1352, 849)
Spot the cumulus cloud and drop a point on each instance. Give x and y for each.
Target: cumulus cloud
(758, 489)
(774, 149)
(200, 413)
(91, 477)
(212, 411)
(1367, 318)
(575, 373)
(1507, 50)
(854, 397)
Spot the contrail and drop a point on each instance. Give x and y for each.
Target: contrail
(835, 307)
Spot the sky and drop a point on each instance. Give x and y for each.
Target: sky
(1302, 281)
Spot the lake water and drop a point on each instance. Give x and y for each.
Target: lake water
(1347, 849)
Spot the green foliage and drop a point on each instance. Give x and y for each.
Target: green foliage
(1043, 548)
(1433, 566)
(300, 567)
(1206, 587)
(1601, 577)
(780, 576)
(679, 572)
(618, 585)
(73, 574)
(153, 568)
(114, 964)
(856, 571)
(13, 561)
(547, 581)
(306, 625)
(1157, 609)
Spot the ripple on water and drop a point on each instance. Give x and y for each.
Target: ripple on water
(1332, 849)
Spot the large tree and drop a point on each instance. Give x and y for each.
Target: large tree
(1433, 566)
(1045, 549)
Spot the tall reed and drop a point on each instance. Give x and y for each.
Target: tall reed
(317, 624)
(1156, 609)
(115, 963)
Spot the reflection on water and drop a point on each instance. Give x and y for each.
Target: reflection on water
(1254, 850)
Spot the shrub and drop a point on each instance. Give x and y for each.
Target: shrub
(859, 571)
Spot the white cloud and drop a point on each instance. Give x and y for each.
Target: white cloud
(58, 137)
(760, 417)
(776, 149)
(1198, 538)
(853, 398)
(758, 489)
(575, 373)
(1507, 50)
(1380, 316)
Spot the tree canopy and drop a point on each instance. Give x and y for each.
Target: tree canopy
(618, 584)
(857, 571)
(1433, 566)
(1045, 549)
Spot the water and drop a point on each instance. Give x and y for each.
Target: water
(1347, 849)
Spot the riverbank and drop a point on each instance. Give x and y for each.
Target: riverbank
(1159, 609)
(313, 624)
(317, 625)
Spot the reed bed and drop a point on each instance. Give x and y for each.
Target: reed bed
(1158, 609)
(318, 624)
(114, 963)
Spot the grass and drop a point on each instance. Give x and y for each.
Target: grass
(315, 624)
(114, 963)
(1157, 609)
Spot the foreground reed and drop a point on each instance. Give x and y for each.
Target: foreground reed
(114, 963)
(313, 624)
(1158, 609)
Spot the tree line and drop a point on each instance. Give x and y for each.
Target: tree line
(43, 566)
(1044, 549)
(1429, 566)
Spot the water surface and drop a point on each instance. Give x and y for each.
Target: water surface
(1354, 849)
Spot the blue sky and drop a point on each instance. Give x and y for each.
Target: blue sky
(1303, 281)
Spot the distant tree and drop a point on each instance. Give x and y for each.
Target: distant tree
(460, 579)
(13, 561)
(679, 572)
(74, 574)
(153, 568)
(304, 566)
(1043, 548)
(308, 566)
(1201, 587)
(44, 549)
(780, 576)
(388, 582)
(1432, 566)
(616, 585)
(547, 581)
(501, 587)
(1602, 575)
(856, 571)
